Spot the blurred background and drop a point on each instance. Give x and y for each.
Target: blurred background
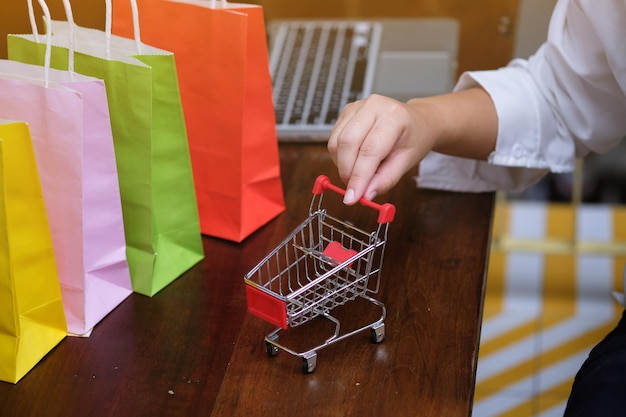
(492, 32)
(487, 26)
(553, 264)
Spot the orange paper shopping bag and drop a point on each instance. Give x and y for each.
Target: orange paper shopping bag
(225, 86)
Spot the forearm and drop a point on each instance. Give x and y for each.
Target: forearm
(463, 123)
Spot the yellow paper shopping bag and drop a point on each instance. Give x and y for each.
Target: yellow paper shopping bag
(32, 321)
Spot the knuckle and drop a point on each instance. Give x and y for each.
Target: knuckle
(386, 183)
(348, 137)
(368, 150)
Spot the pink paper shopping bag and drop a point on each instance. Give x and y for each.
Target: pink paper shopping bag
(69, 120)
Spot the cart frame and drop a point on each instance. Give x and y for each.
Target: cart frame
(324, 263)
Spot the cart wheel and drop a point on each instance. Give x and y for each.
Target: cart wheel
(378, 333)
(309, 362)
(270, 349)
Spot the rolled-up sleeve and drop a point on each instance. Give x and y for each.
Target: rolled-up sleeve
(565, 101)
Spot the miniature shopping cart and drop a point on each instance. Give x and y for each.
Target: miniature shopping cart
(324, 263)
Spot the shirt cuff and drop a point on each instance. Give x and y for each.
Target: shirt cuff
(524, 118)
(451, 173)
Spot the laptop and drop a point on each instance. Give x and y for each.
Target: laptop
(318, 66)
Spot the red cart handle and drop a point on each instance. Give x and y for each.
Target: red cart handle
(386, 212)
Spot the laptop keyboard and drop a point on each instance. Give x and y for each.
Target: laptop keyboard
(317, 68)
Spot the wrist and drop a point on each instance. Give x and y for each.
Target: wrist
(463, 123)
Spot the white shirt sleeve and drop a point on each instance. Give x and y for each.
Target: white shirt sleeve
(565, 101)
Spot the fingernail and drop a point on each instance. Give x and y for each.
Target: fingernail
(348, 196)
(372, 195)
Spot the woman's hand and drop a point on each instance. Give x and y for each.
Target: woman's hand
(375, 142)
(378, 139)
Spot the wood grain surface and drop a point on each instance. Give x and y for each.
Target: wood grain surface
(193, 349)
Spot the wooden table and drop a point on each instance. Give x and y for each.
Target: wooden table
(194, 350)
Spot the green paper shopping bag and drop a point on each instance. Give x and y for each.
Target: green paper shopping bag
(31, 309)
(156, 185)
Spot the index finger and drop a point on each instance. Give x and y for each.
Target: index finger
(376, 145)
(348, 142)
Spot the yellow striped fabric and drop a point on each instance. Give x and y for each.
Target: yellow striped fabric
(552, 271)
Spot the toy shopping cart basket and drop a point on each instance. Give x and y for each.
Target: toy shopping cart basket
(324, 263)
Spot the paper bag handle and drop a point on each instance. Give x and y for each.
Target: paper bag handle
(48, 25)
(222, 4)
(108, 25)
